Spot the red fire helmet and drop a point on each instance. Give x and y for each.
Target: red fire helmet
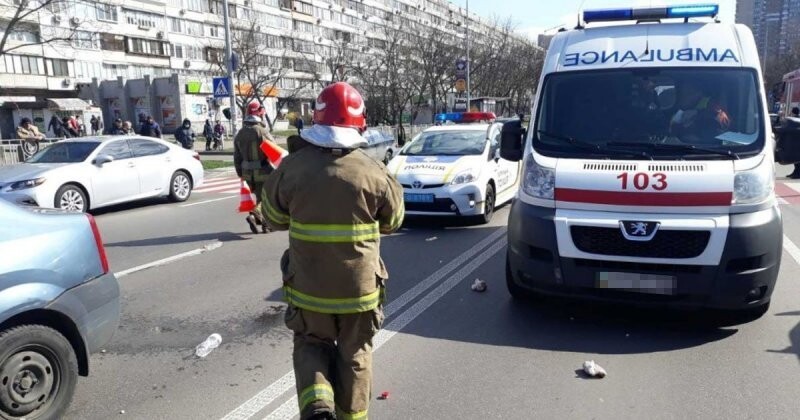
(340, 105)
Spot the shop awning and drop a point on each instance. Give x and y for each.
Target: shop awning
(67, 104)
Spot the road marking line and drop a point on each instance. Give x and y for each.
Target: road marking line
(217, 181)
(289, 410)
(791, 249)
(234, 185)
(209, 247)
(269, 394)
(207, 201)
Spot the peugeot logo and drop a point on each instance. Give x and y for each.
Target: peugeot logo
(638, 230)
(416, 185)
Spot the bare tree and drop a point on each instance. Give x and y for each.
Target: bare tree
(22, 16)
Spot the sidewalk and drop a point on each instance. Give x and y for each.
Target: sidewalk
(226, 154)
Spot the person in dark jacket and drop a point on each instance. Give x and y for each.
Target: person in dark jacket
(185, 135)
(116, 128)
(56, 127)
(150, 128)
(299, 123)
(796, 124)
(65, 122)
(208, 133)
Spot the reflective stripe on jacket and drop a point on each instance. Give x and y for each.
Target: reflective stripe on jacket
(335, 208)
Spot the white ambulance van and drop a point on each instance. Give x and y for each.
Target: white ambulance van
(647, 166)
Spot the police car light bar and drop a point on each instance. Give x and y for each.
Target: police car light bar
(465, 117)
(651, 13)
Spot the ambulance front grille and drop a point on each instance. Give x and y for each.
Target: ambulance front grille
(665, 243)
(603, 166)
(656, 167)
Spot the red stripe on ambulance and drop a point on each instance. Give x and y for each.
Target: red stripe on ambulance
(677, 199)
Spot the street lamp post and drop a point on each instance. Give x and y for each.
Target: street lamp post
(229, 65)
(468, 64)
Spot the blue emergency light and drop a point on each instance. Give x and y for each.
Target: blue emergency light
(651, 13)
(465, 117)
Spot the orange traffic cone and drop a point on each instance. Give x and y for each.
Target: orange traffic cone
(274, 152)
(247, 202)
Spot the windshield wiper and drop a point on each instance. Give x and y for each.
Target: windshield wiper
(677, 147)
(592, 146)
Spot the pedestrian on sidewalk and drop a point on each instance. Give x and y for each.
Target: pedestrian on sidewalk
(69, 127)
(250, 161)
(794, 125)
(185, 135)
(208, 133)
(57, 128)
(96, 124)
(150, 128)
(219, 135)
(299, 123)
(335, 201)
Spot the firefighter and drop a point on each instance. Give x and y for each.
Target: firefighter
(250, 162)
(335, 201)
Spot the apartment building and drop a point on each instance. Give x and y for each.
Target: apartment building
(124, 55)
(775, 25)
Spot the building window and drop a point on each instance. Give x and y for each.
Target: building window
(106, 12)
(176, 25)
(305, 8)
(304, 66)
(214, 31)
(303, 26)
(214, 55)
(146, 47)
(112, 42)
(197, 5)
(86, 40)
(23, 64)
(58, 68)
(286, 4)
(143, 19)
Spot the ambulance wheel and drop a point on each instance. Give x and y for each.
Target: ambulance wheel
(488, 204)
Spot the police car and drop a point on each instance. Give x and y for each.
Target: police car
(648, 167)
(455, 169)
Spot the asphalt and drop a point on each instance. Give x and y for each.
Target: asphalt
(445, 352)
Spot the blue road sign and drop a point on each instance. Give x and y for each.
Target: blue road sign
(222, 87)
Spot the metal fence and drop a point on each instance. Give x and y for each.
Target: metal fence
(12, 151)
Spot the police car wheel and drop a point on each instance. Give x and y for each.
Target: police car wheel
(488, 204)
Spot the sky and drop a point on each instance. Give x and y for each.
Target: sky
(533, 17)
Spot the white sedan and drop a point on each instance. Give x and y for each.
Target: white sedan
(87, 173)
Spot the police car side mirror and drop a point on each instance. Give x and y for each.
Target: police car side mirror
(512, 138)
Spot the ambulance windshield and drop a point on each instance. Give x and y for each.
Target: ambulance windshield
(666, 113)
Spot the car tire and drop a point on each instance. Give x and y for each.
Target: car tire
(71, 197)
(489, 202)
(42, 365)
(180, 187)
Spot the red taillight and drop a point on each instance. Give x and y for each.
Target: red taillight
(196, 155)
(101, 250)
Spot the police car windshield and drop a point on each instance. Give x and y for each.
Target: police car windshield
(447, 143)
(700, 113)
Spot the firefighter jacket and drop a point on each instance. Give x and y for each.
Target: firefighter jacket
(335, 203)
(248, 159)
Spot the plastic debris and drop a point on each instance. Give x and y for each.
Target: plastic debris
(479, 286)
(203, 349)
(103, 351)
(122, 411)
(431, 239)
(384, 395)
(593, 369)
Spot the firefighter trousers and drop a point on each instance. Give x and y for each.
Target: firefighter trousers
(333, 361)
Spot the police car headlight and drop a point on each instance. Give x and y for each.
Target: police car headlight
(754, 185)
(539, 182)
(464, 177)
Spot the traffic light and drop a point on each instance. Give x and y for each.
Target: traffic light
(226, 112)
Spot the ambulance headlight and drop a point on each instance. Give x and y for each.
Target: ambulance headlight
(754, 185)
(464, 177)
(539, 182)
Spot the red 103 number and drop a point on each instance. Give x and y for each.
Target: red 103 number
(642, 181)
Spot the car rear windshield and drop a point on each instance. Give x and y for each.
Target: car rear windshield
(447, 143)
(65, 152)
(662, 113)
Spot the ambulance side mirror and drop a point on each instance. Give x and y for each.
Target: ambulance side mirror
(512, 140)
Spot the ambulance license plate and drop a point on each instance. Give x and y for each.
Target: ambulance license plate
(635, 282)
(418, 198)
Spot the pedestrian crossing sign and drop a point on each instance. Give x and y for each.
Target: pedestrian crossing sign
(222, 87)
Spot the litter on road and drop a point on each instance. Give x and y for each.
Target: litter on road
(479, 286)
(384, 395)
(203, 349)
(431, 239)
(593, 369)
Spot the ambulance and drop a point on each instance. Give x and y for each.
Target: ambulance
(648, 166)
(454, 168)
